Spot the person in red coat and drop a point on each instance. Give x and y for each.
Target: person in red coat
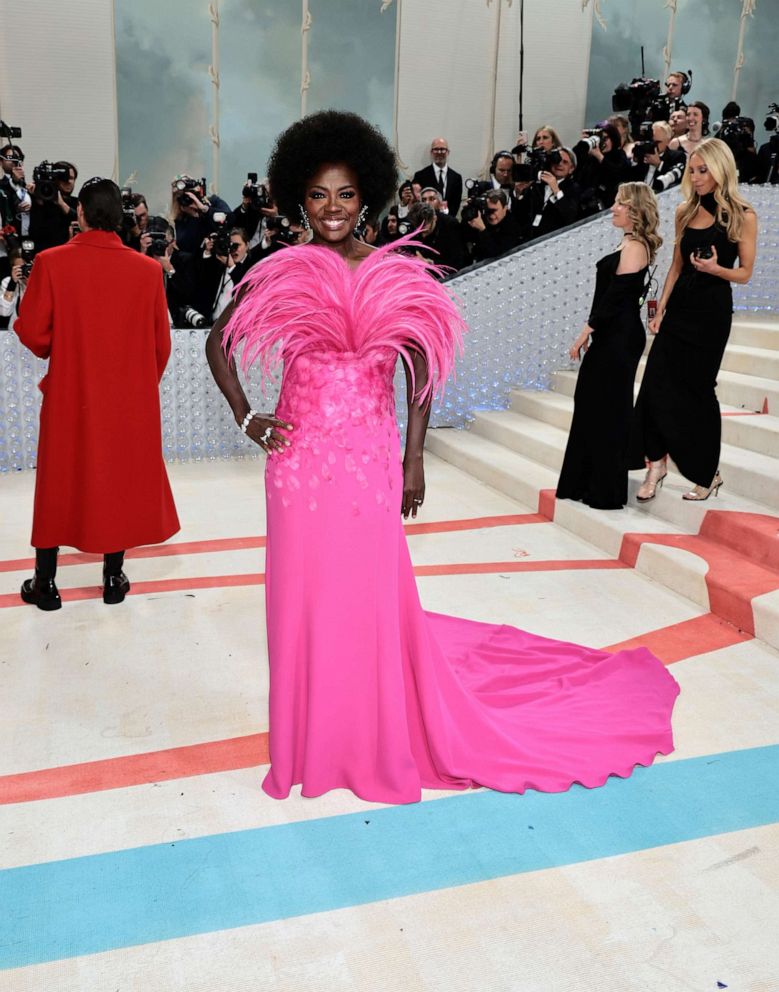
(96, 309)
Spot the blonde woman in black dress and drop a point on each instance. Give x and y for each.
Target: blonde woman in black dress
(677, 412)
(595, 468)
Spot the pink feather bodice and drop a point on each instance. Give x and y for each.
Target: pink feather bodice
(307, 299)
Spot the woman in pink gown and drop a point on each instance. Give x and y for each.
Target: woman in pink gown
(368, 691)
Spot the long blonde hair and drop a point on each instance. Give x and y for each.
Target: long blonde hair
(642, 210)
(731, 206)
(554, 135)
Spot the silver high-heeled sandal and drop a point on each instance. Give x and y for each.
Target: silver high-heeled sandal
(650, 485)
(701, 492)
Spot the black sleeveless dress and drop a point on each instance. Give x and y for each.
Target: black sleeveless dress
(677, 412)
(595, 467)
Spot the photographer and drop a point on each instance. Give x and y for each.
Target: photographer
(677, 84)
(406, 198)
(496, 228)
(192, 212)
(697, 128)
(655, 163)
(603, 165)
(12, 289)
(53, 204)
(256, 206)
(627, 141)
(552, 201)
(767, 168)
(14, 185)
(389, 227)
(440, 234)
(738, 133)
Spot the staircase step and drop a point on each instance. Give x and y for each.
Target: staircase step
(745, 392)
(683, 571)
(497, 466)
(755, 432)
(755, 332)
(763, 362)
(531, 438)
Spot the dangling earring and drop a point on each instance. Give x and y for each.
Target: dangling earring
(362, 216)
(304, 218)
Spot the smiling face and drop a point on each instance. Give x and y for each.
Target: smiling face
(439, 151)
(694, 121)
(702, 180)
(332, 203)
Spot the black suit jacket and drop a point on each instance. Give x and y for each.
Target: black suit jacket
(454, 186)
(670, 158)
(554, 215)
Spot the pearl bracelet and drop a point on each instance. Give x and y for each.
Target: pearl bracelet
(247, 419)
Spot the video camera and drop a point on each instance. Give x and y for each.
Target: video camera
(9, 132)
(187, 185)
(46, 176)
(256, 192)
(220, 238)
(642, 100)
(476, 204)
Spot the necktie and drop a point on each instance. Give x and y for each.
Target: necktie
(441, 183)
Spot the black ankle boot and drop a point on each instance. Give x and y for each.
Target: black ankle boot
(41, 592)
(115, 588)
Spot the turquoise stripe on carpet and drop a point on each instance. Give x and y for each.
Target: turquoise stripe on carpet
(84, 905)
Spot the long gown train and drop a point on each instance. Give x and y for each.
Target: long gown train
(367, 690)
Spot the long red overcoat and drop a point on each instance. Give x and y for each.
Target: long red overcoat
(97, 311)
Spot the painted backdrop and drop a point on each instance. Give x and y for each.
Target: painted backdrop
(163, 51)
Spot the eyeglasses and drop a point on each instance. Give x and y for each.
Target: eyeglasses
(439, 149)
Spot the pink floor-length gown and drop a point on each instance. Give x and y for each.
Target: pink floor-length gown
(368, 691)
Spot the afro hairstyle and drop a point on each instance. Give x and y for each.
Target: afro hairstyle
(331, 136)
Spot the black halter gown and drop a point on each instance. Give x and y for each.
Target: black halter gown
(677, 412)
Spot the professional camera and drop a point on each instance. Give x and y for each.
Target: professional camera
(187, 185)
(280, 230)
(672, 177)
(27, 252)
(476, 203)
(645, 143)
(738, 133)
(46, 176)
(157, 230)
(257, 193)
(771, 123)
(194, 318)
(539, 160)
(220, 238)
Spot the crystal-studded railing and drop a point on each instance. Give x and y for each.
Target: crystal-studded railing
(523, 311)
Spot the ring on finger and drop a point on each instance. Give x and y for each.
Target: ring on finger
(267, 435)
